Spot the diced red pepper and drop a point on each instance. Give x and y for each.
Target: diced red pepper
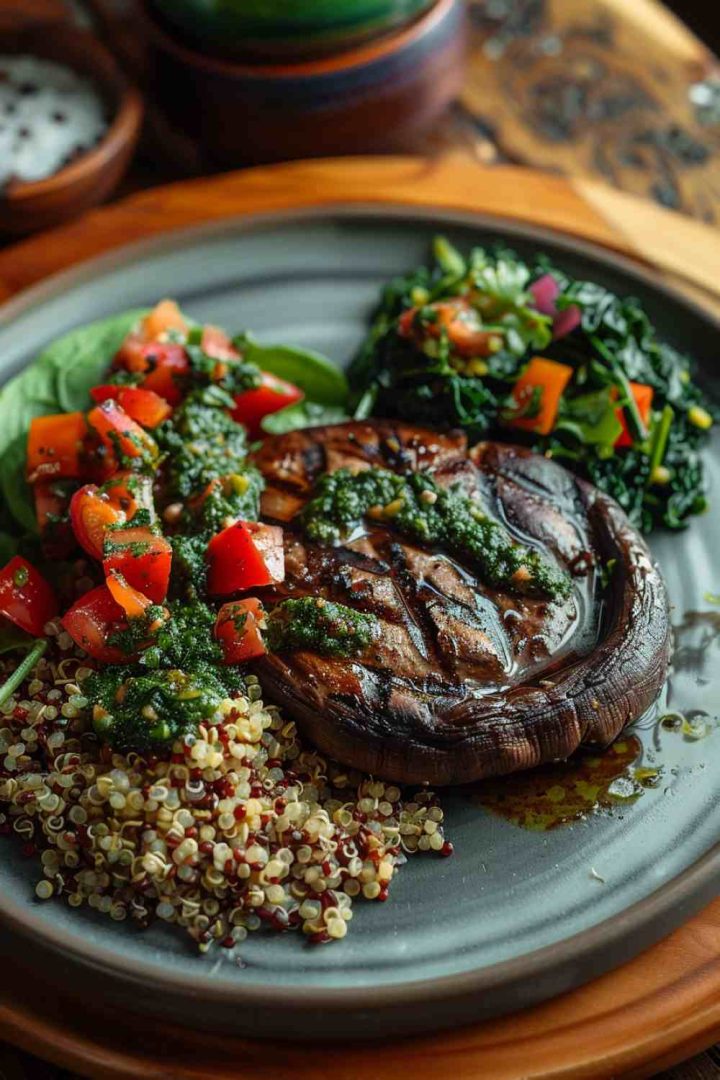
(92, 513)
(272, 395)
(547, 379)
(144, 406)
(92, 620)
(143, 558)
(238, 630)
(133, 602)
(643, 395)
(26, 598)
(246, 555)
(119, 433)
(55, 446)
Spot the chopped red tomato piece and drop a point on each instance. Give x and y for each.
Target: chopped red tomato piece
(55, 445)
(537, 394)
(246, 555)
(133, 602)
(92, 513)
(144, 406)
(643, 395)
(25, 596)
(119, 433)
(238, 630)
(143, 558)
(129, 491)
(91, 622)
(268, 539)
(272, 395)
(162, 364)
(458, 319)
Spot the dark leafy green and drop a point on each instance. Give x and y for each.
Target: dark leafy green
(659, 479)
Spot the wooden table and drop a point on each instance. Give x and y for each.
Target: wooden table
(596, 89)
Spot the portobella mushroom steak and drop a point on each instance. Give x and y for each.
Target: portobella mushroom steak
(464, 680)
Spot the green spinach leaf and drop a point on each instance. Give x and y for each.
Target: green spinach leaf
(16, 491)
(319, 378)
(57, 381)
(301, 415)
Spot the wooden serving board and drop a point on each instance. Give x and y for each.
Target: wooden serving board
(658, 1009)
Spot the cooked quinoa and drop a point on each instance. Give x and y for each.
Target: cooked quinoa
(237, 826)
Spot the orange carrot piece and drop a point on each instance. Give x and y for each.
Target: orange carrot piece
(550, 378)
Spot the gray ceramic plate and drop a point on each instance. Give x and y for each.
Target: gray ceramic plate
(515, 916)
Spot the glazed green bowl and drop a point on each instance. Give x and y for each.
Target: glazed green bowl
(284, 28)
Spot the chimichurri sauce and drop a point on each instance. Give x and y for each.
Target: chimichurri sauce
(324, 627)
(417, 507)
(177, 683)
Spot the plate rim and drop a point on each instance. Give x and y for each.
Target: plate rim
(689, 890)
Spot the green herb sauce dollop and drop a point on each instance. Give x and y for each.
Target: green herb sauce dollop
(419, 508)
(322, 626)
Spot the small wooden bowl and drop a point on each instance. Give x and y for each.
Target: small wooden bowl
(29, 206)
(374, 97)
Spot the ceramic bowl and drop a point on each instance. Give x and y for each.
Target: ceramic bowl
(375, 97)
(283, 28)
(29, 206)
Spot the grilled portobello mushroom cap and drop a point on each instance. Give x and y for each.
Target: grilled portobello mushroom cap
(464, 680)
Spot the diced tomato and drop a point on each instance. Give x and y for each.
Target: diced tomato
(55, 445)
(268, 539)
(163, 365)
(165, 379)
(217, 344)
(238, 630)
(144, 406)
(25, 596)
(166, 315)
(129, 491)
(272, 395)
(547, 380)
(108, 392)
(92, 620)
(459, 320)
(643, 395)
(244, 556)
(92, 513)
(119, 433)
(133, 602)
(143, 558)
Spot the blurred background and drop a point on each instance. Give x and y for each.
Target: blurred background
(628, 94)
